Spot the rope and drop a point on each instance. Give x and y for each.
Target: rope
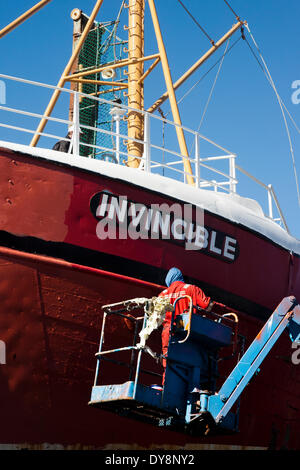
(195, 21)
(270, 80)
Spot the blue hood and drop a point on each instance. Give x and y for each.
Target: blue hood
(174, 274)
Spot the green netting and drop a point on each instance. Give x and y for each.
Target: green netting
(100, 47)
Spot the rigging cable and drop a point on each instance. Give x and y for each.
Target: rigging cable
(197, 23)
(212, 89)
(265, 69)
(207, 72)
(237, 17)
(213, 86)
(261, 66)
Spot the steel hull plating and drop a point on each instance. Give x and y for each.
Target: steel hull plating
(51, 311)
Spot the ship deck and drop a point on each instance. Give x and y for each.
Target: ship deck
(217, 178)
(240, 210)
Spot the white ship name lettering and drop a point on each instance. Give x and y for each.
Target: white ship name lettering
(183, 224)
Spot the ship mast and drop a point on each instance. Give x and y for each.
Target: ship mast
(135, 84)
(136, 76)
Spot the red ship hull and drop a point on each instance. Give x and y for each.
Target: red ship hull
(56, 274)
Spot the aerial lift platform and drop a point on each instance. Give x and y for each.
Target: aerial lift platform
(188, 401)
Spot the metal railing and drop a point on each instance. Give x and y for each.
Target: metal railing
(126, 310)
(157, 156)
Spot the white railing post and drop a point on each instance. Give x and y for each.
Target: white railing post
(197, 156)
(270, 201)
(232, 173)
(147, 144)
(117, 120)
(117, 112)
(279, 209)
(76, 130)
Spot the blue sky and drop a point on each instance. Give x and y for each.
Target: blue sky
(243, 115)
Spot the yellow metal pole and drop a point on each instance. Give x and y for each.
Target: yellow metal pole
(80, 86)
(135, 87)
(23, 17)
(171, 93)
(197, 64)
(63, 78)
(152, 66)
(141, 82)
(120, 63)
(98, 82)
(110, 90)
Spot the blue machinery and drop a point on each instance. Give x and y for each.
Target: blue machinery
(188, 401)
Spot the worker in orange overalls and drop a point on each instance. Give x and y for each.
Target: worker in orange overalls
(176, 287)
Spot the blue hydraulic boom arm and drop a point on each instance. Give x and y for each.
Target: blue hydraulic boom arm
(286, 315)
